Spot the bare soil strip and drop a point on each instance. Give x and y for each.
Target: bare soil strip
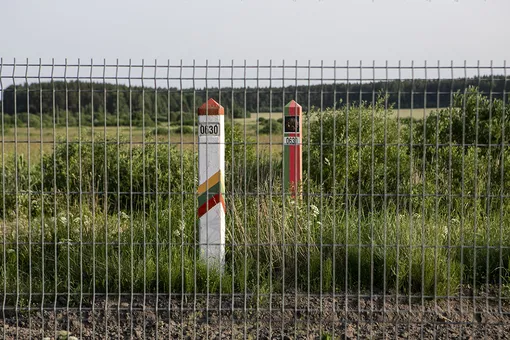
(299, 317)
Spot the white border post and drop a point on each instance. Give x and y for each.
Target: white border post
(211, 177)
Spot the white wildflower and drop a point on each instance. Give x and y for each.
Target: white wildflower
(180, 230)
(314, 211)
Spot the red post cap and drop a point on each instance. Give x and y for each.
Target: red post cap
(294, 108)
(211, 108)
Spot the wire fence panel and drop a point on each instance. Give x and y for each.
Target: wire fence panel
(262, 200)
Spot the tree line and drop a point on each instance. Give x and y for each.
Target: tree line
(100, 101)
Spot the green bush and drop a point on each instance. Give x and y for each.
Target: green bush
(24, 119)
(186, 119)
(8, 120)
(271, 126)
(358, 152)
(185, 130)
(113, 170)
(238, 112)
(159, 131)
(463, 147)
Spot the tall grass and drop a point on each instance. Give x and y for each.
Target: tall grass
(272, 242)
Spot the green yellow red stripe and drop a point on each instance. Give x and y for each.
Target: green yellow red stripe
(211, 203)
(211, 193)
(209, 183)
(218, 188)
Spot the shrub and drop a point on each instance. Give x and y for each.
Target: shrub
(238, 112)
(464, 147)
(271, 126)
(159, 131)
(358, 152)
(185, 119)
(240, 160)
(185, 130)
(113, 167)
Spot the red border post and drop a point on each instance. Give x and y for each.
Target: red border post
(292, 148)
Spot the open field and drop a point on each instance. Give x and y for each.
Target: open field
(21, 141)
(415, 113)
(402, 113)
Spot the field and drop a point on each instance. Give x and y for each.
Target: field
(22, 139)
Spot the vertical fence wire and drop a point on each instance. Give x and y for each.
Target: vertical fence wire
(4, 227)
(500, 309)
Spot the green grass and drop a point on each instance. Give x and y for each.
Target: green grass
(280, 246)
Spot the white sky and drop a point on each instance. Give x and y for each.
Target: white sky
(254, 30)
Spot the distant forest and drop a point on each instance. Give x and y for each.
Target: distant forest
(100, 101)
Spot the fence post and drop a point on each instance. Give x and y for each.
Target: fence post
(211, 177)
(292, 154)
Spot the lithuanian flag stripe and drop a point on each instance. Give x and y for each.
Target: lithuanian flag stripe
(218, 188)
(210, 193)
(211, 203)
(211, 181)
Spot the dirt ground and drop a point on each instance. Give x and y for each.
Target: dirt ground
(236, 317)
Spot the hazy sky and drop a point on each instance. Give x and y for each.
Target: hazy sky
(256, 29)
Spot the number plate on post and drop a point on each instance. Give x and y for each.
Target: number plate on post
(209, 129)
(291, 141)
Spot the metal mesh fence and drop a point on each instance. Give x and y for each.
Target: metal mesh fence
(352, 200)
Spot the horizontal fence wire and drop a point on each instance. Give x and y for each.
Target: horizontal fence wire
(350, 200)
